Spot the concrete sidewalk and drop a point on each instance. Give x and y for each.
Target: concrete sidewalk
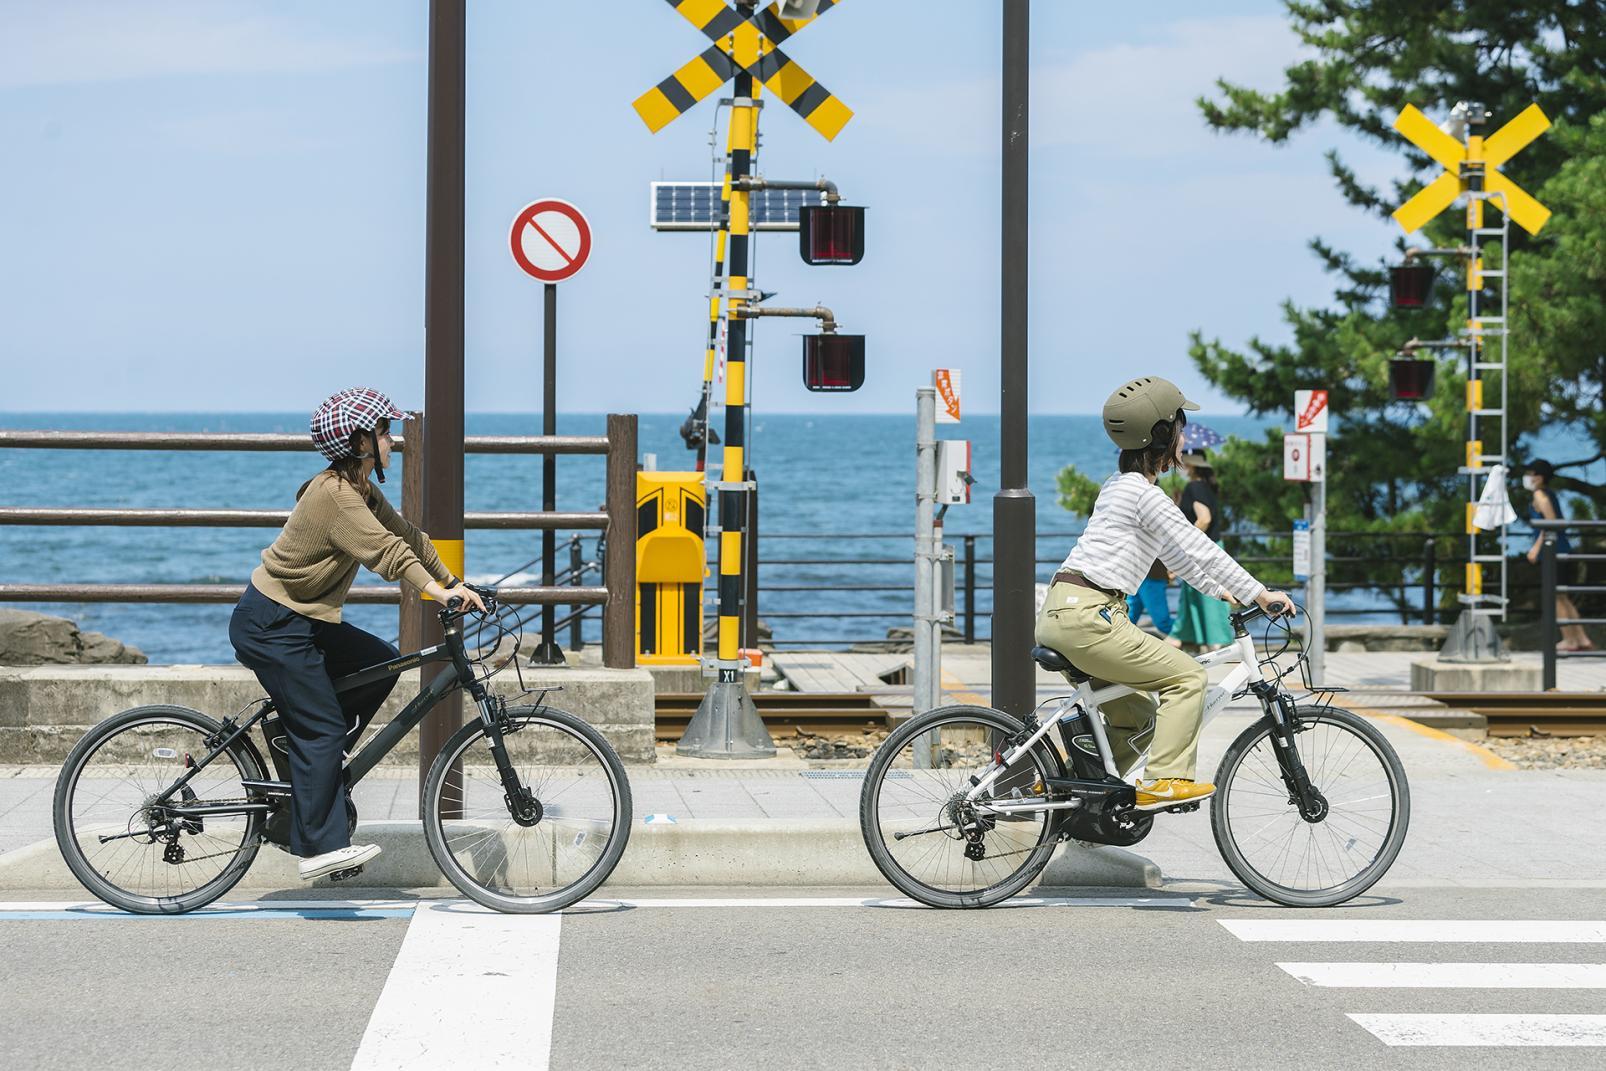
(1475, 821)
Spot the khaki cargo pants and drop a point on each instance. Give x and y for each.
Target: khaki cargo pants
(1092, 630)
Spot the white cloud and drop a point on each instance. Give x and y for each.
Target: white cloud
(66, 43)
(1134, 101)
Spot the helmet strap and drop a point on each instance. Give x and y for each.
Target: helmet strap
(379, 465)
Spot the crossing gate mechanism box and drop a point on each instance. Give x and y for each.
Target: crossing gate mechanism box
(670, 567)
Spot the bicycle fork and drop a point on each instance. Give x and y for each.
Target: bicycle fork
(1284, 727)
(522, 805)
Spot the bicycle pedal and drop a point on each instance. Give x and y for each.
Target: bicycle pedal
(346, 874)
(1181, 808)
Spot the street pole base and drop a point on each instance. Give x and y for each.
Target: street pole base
(548, 654)
(1473, 639)
(726, 726)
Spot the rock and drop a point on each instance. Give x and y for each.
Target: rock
(34, 639)
(101, 648)
(1352, 647)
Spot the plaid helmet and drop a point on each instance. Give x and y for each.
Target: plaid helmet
(357, 409)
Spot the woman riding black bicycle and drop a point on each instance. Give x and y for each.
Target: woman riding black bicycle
(287, 627)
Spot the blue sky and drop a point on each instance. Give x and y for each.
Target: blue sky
(220, 205)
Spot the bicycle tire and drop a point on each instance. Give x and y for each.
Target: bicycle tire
(1399, 821)
(435, 833)
(875, 842)
(247, 763)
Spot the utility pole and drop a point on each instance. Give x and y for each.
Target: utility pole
(1014, 508)
(442, 448)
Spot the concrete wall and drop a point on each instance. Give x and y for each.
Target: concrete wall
(45, 709)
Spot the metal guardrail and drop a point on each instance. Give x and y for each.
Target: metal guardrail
(1549, 559)
(616, 595)
(1414, 594)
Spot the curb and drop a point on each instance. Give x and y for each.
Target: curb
(691, 852)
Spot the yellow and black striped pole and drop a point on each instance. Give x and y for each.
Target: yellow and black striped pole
(715, 304)
(727, 724)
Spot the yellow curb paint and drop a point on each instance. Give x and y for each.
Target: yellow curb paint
(959, 690)
(1487, 757)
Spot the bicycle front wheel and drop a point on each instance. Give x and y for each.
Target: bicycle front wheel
(930, 842)
(119, 837)
(549, 849)
(1286, 857)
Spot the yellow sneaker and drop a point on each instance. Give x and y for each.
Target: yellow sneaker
(1170, 791)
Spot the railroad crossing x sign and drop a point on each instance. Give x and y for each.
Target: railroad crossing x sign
(1491, 152)
(743, 43)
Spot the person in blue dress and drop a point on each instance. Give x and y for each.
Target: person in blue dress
(1536, 478)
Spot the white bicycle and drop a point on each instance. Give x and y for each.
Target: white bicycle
(964, 805)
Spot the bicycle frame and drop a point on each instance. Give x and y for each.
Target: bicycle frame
(1241, 681)
(459, 676)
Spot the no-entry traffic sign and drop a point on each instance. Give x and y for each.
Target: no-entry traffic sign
(550, 240)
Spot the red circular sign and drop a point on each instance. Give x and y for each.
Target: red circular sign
(550, 240)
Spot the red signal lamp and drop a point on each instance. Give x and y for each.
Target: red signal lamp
(1411, 378)
(1410, 284)
(833, 362)
(831, 234)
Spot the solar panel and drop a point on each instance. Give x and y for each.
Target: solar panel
(694, 206)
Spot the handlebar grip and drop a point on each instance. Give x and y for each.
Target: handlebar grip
(454, 604)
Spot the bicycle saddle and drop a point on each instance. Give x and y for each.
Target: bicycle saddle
(1055, 662)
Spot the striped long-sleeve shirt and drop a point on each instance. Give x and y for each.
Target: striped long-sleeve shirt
(1133, 523)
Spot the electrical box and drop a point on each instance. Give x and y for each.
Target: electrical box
(953, 472)
(670, 564)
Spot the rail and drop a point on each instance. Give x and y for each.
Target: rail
(616, 593)
(1552, 591)
(1407, 570)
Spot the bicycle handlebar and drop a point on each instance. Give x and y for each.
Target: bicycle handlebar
(1243, 617)
(454, 605)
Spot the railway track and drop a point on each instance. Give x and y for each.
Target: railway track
(819, 713)
(1522, 713)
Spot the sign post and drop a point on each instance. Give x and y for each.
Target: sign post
(1305, 460)
(550, 241)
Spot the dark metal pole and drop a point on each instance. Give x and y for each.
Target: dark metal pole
(442, 453)
(1430, 569)
(1014, 508)
(970, 589)
(576, 577)
(549, 653)
(1547, 608)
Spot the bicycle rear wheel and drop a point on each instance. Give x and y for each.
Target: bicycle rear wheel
(1285, 857)
(546, 856)
(930, 844)
(124, 846)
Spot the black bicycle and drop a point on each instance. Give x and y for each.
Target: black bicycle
(162, 809)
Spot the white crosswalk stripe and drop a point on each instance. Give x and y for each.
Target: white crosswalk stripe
(1455, 1029)
(1450, 975)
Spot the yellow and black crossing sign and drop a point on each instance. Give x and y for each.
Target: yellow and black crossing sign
(1461, 162)
(743, 43)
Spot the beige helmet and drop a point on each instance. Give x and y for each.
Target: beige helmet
(1137, 406)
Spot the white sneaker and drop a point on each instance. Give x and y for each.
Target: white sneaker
(355, 855)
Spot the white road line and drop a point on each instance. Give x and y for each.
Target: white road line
(229, 905)
(1450, 975)
(897, 902)
(470, 989)
(1467, 1030)
(1492, 931)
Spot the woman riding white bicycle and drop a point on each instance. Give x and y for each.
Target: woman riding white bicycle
(1085, 615)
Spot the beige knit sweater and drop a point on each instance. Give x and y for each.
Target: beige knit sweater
(332, 530)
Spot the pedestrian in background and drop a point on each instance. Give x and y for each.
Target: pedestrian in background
(1536, 478)
(1201, 621)
(1154, 595)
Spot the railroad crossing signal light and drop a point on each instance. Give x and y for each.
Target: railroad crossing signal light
(745, 42)
(1410, 284)
(1411, 378)
(833, 362)
(1481, 157)
(830, 234)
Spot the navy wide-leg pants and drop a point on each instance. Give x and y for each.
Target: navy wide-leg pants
(297, 659)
